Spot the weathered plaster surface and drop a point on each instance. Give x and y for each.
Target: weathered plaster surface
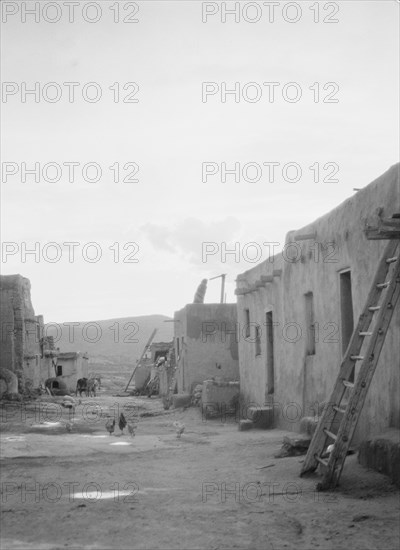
(302, 380)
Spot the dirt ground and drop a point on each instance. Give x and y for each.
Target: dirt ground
(214, 488)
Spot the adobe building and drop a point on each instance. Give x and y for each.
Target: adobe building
(206, 346)
(155, 351)
(297, 311)
(71, 366)
(22, 346)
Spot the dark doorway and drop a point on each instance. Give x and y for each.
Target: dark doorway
(346, 312)
(270, 352)
(309, 297)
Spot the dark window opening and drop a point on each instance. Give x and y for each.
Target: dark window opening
(346, 312)
(247, 323)
(59, 370)
(258, 339)
(309, 298)
(270, 352)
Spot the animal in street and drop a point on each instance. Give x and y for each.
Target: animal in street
(69, 426)
(122, 422)
(110, 425)
(132, 428)
(81, 386)
(91, 387)
(179, 428)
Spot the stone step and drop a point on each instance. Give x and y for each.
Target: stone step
(382, 453)
(262, 417)
(245, 425)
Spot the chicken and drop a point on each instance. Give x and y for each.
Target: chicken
(110, 425)
(122, 422)
(70, 406)
(69, 426)
(132, 428)
(179, 427)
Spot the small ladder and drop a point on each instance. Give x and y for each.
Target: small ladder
(381, 300)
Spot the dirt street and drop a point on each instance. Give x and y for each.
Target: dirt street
(214, 488)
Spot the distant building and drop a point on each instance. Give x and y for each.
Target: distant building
(71, 366)
(155, 351)
(206, 344)
(297, 312)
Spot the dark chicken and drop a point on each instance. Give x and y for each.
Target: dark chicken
(122, 422)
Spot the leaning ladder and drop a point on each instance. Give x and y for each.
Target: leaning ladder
(381, 300)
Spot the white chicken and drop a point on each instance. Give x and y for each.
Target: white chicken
(179, 428)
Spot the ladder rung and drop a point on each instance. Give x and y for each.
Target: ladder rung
(365, 333)
(356, 357)
(383, 285)
(321, 460)
(391, 260)
(330, 434)
(374, 308)
(338, 409)
(348, 384)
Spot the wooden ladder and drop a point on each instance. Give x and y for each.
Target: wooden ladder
(381, 300)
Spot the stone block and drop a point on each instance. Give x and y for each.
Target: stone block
(262, 417)
(181, 400)
(245, 425)
(298, 441)
(219, 398)
(382, 453)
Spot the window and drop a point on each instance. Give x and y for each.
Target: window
(310, 327)
(59, 370)
(247, 323)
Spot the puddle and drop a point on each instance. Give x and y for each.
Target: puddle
(46, 425)
(121, 443)
(96, 436)
(16, 438)
(100, 495)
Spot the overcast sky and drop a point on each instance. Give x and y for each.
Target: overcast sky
(169, 53)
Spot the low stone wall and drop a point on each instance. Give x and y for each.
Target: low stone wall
(219, 398)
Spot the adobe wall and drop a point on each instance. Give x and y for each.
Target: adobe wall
(303, 379)
(74, 366)
(20, 330)
(210, 348)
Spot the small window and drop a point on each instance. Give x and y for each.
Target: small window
(59, 370)
(258, 339)
(247, 323)
(310, 324)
